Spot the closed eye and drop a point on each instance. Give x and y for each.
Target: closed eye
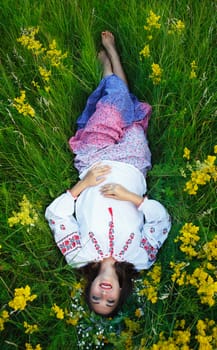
(95, 299)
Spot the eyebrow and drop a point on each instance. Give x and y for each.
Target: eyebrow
(97, 302)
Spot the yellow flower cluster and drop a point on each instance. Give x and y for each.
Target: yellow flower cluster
(4, 317)
(151, 284)
(131, 328)
(177, 27)
(22, 106)
(73, 320)
(180, 340)
(28, 40)
(156, 73)
(30, 347)
(58, 311)
(186, 153)
(205, 284)
(189, 238)
(30, 328)
(53, 55)
(26, 216)
(210, 250)
(207, 334)
(202, 173)
(139, 313)
(145, 52)
(194, 67)
(21, 297)
(206, 337)
(178, 275)
(45, 74)
(152, 21)
(50, 56)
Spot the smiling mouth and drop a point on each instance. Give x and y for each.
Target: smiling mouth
(105, 285)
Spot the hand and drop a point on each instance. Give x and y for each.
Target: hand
(96, 175)
(116, 191)
(119, 192)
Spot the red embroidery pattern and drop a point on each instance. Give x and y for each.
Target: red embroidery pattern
(128, 242)
(111, 233)
(69, 243)
(151, 251)
(96, 244)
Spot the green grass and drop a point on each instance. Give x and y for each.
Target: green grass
(36, 161)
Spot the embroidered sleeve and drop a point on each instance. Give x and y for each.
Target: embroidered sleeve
(157, 224)
(64, 226)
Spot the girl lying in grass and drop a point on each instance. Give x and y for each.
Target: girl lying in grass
(105, 224)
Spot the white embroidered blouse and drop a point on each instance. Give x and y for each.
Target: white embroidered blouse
(93, 227)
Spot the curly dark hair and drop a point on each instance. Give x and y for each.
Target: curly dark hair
(125, 271)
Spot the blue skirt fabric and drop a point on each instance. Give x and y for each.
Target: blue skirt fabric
(112, 126)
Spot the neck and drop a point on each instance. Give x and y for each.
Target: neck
(107, 265)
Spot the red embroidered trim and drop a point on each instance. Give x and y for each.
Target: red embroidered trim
(96, 244)
(111, 233)
(69, 243)
(151, 251)
(128, 242)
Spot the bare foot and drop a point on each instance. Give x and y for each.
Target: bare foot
(108, 41)
(106, 63)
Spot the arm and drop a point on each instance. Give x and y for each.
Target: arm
(157, 222)
(59, 215)
(119, 192)
(95, 176)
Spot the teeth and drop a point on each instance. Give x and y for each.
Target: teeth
(105, 285)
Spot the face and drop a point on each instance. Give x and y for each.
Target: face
(104, 294)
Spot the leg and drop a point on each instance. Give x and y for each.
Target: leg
(108, 42)
(106, 63)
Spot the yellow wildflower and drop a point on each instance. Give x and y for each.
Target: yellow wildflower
(180, 26)
(35, 84)
(177, 27)
(53, 55)
(28, 40)
(30, 328)
(22, 106)
(45, 74)
(21, 297)
(73, 321)
(210, 250)
(205, 284)
(3, 318)
(193, 75)
(151, 284)
(194, 67)
(145, 52)
(139, 313)
(26, 216)
(178, 275)
(215, 149)
(58, 311)
(205, 171)
(206, 336)
(47, 88)
(189, 238)
(187, 153)
(152, 21)
(156, 73)
(30, 347)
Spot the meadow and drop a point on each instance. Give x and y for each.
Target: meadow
(48, 67)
